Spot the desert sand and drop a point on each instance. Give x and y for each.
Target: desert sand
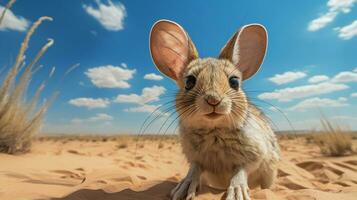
(122, 168)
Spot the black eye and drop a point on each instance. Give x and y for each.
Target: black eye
(190, 82)
(234, 82)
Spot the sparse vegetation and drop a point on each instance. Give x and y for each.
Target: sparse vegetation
(20, 121)
(332, 140)
(161, 145)
(122, 145)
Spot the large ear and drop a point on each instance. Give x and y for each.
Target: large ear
(246, 49)
(171, 48)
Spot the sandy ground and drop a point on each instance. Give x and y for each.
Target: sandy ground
(125, 169)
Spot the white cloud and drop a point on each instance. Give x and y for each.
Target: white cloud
(354, 94)
(288, 94)
(341, 5)
(345, 77)
(287, 77)
(318, 78)
(143, 108)
(355, 70)
(335, 7)
(321, 21)
(317, 102)
(13, 22)
(110, 15)
(124, 65)
(148, 94)
(89, 102)
(99, 117)
(110, 76)
(347, 32)
(153, 76)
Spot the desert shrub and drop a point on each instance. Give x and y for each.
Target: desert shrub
(20, 119)
(333, 140)
(160, 145)
(122, 145)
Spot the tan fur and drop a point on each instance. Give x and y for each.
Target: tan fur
(229, 145)
(226, 146)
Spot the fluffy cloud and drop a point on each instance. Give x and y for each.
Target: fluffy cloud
(318, 103)
(335, 7)
(13, 22)
(345, 77)
(287, 77)
(89, 102)
(153, 76)
(318, 78)
(100, 117)
(288, 94)
(354, 94)
(347, 32)
(110, 76)
(341, 5)
(321, 21)
(148, 94)
(143, 108)
(110, 16)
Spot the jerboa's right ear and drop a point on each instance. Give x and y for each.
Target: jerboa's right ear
(171, 48)
(246, 49)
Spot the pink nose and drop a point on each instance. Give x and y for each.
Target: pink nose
(212, 100)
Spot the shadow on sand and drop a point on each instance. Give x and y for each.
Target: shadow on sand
(159, 191)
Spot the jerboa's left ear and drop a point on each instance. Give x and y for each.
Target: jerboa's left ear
(171, 48)
(246, 49)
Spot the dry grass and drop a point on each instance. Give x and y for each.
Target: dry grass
(332, 140)
(123, 140)
(161, 145)
(20, 121)
(122, 145)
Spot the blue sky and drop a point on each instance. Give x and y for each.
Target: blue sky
(310, 67)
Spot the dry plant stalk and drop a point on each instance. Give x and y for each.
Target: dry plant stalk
(333, 140)
(7, 7)
(19, 120)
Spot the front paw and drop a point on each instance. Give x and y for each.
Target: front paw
(238, 192)
(186, 189)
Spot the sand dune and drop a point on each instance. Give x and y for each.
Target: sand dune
(126, 169)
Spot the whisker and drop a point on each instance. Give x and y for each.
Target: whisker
(279, 110)
(180, 115)
(157, 117)
(178, 108)
(157, 109)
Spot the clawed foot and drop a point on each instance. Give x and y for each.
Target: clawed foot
(239, 192)
(187, 188)
(238, 188)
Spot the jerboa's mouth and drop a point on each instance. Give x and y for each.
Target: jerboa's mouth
(213, 115)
